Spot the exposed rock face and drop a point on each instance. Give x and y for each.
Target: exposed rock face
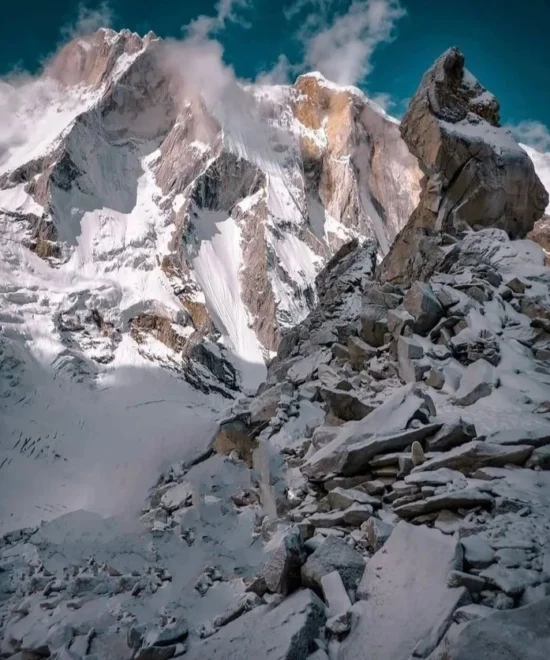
(231, 208)
(476, 175)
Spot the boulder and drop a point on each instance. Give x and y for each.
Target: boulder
(359, 352)
(396, 413)
(536, 438)
(334, 554)
(476, 175)
(336, 596)
(519, 633)
(477, 552)
(345, 405)
(473, 583)
(540, 458)
(287, 632)
(342, 498)
(468, 498)
(377, 532)
(512, 581)
(453, 434)
(235, 436)
(398, 321)
(374, 325)
(409, 352)
(423, 305)
(281, 572)
(478, 381)
(404, 604)
(477, 454)
(264, 406)
(357, 456)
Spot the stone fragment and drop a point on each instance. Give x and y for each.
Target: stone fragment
(281, 572)
(374, 325)
(423, 305)
(477, 454)
(375, 487)
(513, 581)
(536, 438)
(477, 552)
(359, 353)
(286, 631)
(334, 554)
(408, 353)
(418, 456)
(340, 498)
(468, 498)
(473, 583)
(437, 477)
(393, 587)
(377, 532)
(398, 321)
(516, 285)
(436, 378)
(345, 405)
(340, 351)
(521, 633)
(478, 381)
(471, 612)
(336, 596)
(452, 435)
(448, 522)
(264, 406)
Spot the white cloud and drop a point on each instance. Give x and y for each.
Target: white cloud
(227, 11)
(279, 74)
(88, 21)
(339, 44)
(342, 50)
(532, 133)
(384, 100)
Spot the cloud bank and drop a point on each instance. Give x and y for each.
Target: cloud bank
(532, 133)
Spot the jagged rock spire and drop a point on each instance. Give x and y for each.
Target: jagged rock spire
(476, 174)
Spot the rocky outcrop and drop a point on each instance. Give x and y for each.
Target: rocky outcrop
(476, 175)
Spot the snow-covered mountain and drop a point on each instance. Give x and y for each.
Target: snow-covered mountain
(157, 236)
(159, 231)
(192, 218)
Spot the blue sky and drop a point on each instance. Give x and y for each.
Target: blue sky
(384, 46)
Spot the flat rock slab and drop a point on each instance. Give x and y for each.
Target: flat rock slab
(388, 421)
(283, 633)
(468, 498)
(404, 601)
(535, 438)
(523, 633)
(477, 454)
(513, 581)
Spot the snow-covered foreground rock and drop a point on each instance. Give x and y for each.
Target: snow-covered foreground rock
(385, 493)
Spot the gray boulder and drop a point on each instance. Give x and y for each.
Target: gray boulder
(286, 632)
(423, 305)
(478, 381)
(334, 554)
(281, 572)
(469, 498)
(405, 605)
(477, 454)
(453, 434)
(374, 325)
(522, 634)
(345, 405)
